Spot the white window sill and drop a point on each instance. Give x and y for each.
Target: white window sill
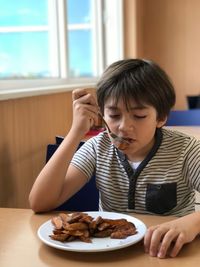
(13, 93)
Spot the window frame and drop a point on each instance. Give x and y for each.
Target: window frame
(110, 29)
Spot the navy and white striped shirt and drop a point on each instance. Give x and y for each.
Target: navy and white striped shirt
(164, 182)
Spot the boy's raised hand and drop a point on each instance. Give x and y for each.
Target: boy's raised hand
(85, 110)
(168, 238)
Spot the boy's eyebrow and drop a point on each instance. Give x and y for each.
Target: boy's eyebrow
(130, 108)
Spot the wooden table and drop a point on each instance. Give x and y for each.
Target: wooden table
(20, 246)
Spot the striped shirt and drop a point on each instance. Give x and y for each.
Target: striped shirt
(164, 182)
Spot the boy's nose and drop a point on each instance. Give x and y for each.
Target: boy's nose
(126, 124)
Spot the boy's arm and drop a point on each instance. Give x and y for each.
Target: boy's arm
(168, 238)
(58, 180)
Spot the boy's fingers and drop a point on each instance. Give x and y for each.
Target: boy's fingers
(87, 96)
(76, 94)
(177, 247)
(147, 239)
(167, 243)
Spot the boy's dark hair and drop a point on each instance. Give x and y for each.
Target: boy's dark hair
(138, 79)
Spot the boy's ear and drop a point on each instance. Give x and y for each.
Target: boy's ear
(161, 123)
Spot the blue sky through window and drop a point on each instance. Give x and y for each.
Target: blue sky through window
(23, 56)
(80, 46)
(27, 54)
(80, 56)
(79, 11)
(23, 12)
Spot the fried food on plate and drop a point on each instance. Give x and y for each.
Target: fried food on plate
(80, 225)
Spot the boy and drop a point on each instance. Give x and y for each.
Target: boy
(156, 173)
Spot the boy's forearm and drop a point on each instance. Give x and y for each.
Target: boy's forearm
(49, 183)
(191, 223)
(195, 219)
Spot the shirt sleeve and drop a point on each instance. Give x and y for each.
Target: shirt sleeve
(85, 158)
(192, 163)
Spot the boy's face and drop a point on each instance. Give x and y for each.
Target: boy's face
(137, 124)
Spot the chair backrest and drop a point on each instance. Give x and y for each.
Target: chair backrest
(189, 117)
(193, 101)
(87, 198)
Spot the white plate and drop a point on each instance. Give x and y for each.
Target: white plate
(98, 244)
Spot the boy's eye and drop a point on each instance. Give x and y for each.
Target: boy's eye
(140, 116)
(114, 116)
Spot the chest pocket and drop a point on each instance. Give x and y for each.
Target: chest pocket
(161, 198)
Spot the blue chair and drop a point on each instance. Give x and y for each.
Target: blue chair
(189, 117)
(87, 198)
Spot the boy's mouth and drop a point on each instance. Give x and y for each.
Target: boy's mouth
(130, 140)
(123, 145)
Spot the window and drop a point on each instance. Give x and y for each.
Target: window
(24, 38)
(57, 42)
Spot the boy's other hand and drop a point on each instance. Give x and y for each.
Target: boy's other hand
(168, 238)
